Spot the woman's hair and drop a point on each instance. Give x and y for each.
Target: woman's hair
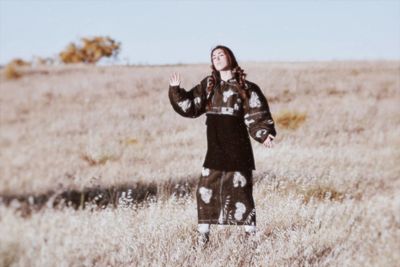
(237, 73)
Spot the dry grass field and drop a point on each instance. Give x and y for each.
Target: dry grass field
(327, 193)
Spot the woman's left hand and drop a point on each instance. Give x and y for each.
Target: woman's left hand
(268, 142)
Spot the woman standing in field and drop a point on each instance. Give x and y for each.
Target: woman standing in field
(232, 105)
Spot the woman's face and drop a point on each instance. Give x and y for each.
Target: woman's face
(219, 59)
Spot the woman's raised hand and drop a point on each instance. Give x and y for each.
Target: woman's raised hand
(174, 79)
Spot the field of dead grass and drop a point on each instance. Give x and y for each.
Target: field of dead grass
(327, 194)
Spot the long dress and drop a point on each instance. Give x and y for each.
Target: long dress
(224, 191)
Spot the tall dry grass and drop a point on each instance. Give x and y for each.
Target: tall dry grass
(327, 194)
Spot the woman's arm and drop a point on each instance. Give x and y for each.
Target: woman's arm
(190, 103)
(258, 117)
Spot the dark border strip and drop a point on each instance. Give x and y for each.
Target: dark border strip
(114, 196)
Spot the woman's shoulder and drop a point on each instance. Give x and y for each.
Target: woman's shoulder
(250, 85)
(206, 80)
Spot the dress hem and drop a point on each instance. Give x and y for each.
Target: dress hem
(205, 165)
(215, 221)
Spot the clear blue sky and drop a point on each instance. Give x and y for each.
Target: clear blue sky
(162, 32)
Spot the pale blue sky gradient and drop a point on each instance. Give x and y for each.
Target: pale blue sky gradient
(161, 32)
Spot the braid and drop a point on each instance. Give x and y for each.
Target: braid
(211, 84)
(239, 74)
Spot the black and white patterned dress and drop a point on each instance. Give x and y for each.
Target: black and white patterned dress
(224, 191)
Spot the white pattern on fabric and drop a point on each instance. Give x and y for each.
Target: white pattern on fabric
(261, 132)
(239, 180)
(185, 105)
(248, 122)
(221, 217)
(227, 94)
(236, 106)
(250, 216)
(240, 210)
(254, 100)
(197, 100)
(227, 110)
(205, 194)
(205, 172)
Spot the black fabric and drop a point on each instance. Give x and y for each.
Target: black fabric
(225, 198)
(228, 119)
(229, 146)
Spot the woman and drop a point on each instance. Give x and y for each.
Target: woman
(232, 105)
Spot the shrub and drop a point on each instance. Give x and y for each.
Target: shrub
(11, 69)
(98, 159)
(11, 72)
(19, 62)
(91, 51)
(321, 193)
(290, 119)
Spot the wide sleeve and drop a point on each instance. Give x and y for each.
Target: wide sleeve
(190, 103)
(257, 115)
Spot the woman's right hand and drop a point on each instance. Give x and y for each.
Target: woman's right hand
(174, 79)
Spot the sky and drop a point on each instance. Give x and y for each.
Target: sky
(170, 32)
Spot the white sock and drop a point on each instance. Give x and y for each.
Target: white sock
(203, 228)
(250, 228)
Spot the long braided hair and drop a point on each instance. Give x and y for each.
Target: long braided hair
(237, 73)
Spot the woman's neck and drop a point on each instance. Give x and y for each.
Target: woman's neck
(225, 75)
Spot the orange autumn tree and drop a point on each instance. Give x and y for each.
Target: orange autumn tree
(91, 50)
